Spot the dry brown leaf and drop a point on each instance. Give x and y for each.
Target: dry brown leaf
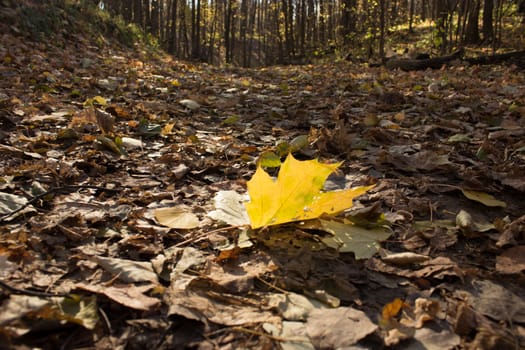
(128, 295)
(177, 217)
(338, 328)
(511, 261)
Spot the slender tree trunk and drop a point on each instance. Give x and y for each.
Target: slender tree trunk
(155, 18)
(127, 11)
(411, 15)
(195, 29)
(137, 13)
(146, 15)
(172, 46)
(488, 24)
(242, 32)
(184, 38)
(348, 20)
(229, 34)
(472, 27)
(382, 28)
(251, 29)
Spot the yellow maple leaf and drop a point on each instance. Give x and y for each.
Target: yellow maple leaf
(296, 194)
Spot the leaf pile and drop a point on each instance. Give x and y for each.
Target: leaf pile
(110, 236)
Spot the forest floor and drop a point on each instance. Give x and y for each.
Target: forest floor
(94, 139)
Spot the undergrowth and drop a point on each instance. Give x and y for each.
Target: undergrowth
(64, 19)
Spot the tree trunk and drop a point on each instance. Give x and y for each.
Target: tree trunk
(184, 39)
(137, 12)
(228, 30)
(348, 20)
(472, 27)
(382, 29)
(127, 11)
(154, 19)
(172, 46)
(195, 29)
(242, 32)
(488, 24)
(411, 15)
(146, 15)
(414, 64)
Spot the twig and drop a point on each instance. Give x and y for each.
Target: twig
(204, 235)
(106, 321)
(260, 334)
(22, 291)
(273, 286)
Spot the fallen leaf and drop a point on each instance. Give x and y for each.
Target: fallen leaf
(483, 198)
(424, 310)
(464, 220)
(128, 270)
(338, 328)
(430, 339)
(299, 143)
(6, 266)
(81, 311)
(10, 203)
(128, 295)
(232, 119)
(147, 129)
(97, 100)
(513, 233)
(190, 257)
(403, 258)
(105, 121)
(511, 261)
(466, 320)
(235, 312)
(228, 255)
(131, 143)
(294, 332)
(466, 223)
(292, 306)
(229, 207)
(497, 302)
(176, 217)
(296, 194)
(269, 159)
(348, 237)
(459, 138)
(239, 277)
(190, 104)
(390, 311)
(17, 306)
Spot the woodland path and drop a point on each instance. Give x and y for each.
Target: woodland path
(444, 147)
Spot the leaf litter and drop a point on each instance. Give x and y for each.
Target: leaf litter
(110, 230)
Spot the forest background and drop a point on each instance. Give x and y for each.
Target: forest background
(252, 33)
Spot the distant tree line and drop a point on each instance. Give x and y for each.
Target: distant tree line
(265, 32)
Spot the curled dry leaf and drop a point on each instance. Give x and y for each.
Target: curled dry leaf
(404, 258)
